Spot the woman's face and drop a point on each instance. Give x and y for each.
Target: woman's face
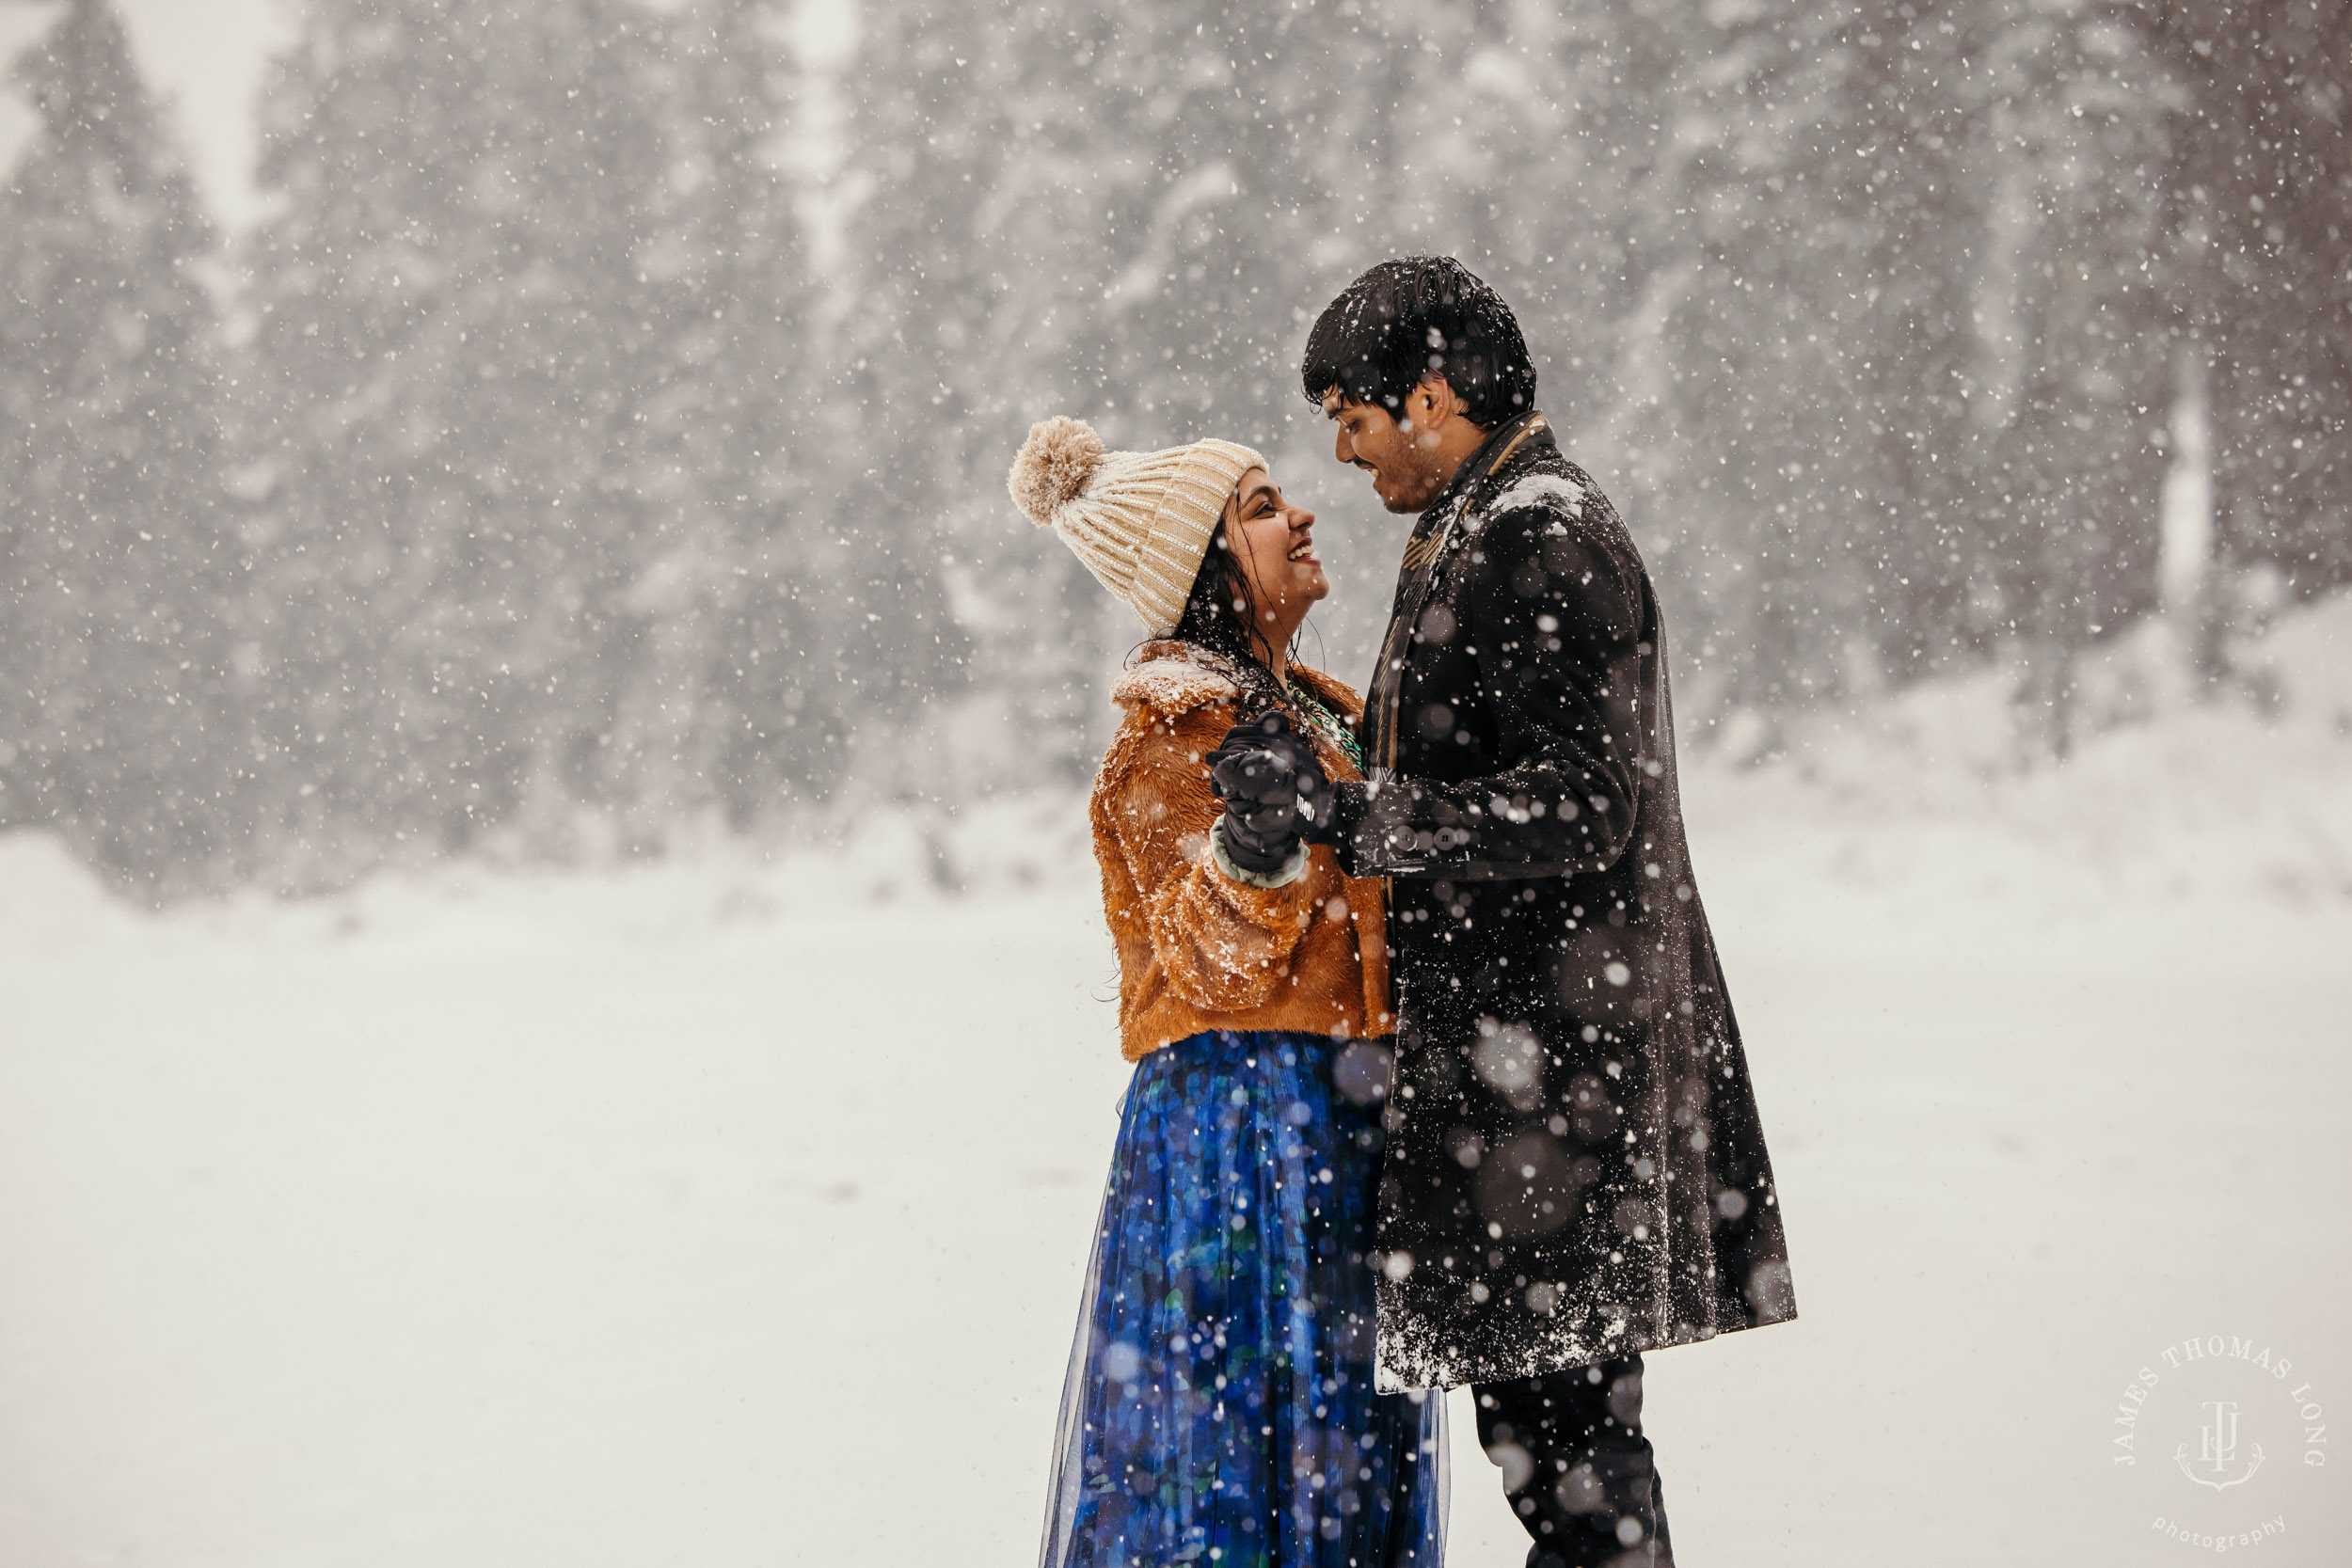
(1275, 541)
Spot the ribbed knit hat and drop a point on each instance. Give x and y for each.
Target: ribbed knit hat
(1140, 520)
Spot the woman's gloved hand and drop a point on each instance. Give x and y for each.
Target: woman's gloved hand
(1274, 792)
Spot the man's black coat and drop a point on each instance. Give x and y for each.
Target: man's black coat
(1575, 1168)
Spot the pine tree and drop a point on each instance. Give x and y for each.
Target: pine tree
(2258, 192)
(1901, 329)
(454, 321)
(115, 718)
(769, 624)
(2074, 366)
(991, 169)
(1126, 215)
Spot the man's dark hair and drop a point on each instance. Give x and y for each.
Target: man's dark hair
(1406, 321)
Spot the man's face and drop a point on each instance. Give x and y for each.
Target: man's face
(1406, 470)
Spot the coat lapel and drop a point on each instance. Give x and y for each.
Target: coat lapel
(1438, 527)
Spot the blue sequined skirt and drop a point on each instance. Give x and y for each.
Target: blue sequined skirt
(1219, 1408)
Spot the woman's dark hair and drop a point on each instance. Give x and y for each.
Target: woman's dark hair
(1422, 316)
(1221, 611)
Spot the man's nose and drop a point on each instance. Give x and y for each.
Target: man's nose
(1341, 451)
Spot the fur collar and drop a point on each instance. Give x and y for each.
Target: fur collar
(1171, 676)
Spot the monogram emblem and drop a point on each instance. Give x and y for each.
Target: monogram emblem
(2217, 1450)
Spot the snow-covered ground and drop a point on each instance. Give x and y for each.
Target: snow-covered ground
(734, 1212)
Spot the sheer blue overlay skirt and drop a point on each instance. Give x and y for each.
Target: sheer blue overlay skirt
(1219, 1408)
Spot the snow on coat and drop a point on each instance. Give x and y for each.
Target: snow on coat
(1575, 1167)
(1198, 949)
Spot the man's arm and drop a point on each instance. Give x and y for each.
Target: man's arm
(1554, 619)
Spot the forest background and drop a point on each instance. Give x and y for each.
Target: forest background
(595, 446)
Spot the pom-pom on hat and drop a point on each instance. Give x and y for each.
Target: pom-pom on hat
(1140, 520)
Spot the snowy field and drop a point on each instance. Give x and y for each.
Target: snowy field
(733, 1214)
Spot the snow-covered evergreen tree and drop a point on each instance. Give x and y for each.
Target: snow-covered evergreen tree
(705, 710)
(987, 173)
(2258, 190)
(114, 715)
(454, 322)
(785, 600)
(2068, 457)
(1127, 214)
(1900, 422)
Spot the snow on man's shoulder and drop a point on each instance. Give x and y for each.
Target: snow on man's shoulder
(1555, 494)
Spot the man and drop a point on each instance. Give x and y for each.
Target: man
(1574, 1173)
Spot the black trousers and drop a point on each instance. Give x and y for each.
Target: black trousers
(1575, 1466)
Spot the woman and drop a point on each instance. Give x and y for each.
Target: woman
(1219, 1407)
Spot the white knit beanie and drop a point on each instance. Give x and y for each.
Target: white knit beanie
(1140, 520)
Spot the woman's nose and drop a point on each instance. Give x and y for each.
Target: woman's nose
(1301, 518)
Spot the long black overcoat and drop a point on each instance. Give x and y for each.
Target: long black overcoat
(1574, 1167)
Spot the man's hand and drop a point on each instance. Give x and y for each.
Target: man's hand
(1273, 788)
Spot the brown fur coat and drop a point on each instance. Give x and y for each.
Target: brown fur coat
(1197, 949)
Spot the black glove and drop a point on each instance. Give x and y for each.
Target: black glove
(1273, 788)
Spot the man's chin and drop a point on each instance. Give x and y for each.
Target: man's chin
(1405, 499)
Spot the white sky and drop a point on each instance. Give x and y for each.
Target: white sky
(207, 59)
